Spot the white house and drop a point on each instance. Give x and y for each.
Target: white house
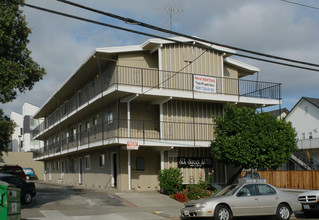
(304, 117)
(22, 138)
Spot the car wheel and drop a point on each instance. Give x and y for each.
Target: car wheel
(283, 212)
(27, 198)
(222, 212)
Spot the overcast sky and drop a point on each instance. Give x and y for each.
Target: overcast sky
(276, 27)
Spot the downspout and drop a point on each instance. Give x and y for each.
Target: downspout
(222, 71)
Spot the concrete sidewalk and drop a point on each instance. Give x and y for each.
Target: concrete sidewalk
(162, 205)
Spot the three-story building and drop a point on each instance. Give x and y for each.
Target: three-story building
(129, 111)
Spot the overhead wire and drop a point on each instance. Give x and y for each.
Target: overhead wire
(133, 21)
(177, 41)
(303, 5)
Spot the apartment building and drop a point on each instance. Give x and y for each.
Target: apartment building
(129, 111)
(22, 139)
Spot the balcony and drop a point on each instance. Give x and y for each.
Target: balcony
(118, 131)
(308, 144)
(146, 80)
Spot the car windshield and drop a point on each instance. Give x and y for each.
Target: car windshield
(227, 191)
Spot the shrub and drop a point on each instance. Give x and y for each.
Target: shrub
(180, 196)
(171, 180)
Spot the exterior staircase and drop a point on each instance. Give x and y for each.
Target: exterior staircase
(306, 163)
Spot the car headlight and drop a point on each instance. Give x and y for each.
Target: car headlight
(200, 205)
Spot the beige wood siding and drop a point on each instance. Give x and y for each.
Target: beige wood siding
(185, 60)
(189, 120)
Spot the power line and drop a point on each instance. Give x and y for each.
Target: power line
(168, 39)
(303, 5)
(132, 21)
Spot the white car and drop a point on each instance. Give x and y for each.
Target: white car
(246, 199)
(309, 201)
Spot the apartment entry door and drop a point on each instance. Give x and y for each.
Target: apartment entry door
(114, 169)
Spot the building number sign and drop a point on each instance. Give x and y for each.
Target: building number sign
(195, 162)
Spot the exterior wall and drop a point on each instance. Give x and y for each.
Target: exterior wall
(22, 139)
(175, 57)
(17, 134)
(141, 59)
(25, 160)
(305, 119)
(141, 180)
(197, 123)
(193, 175)
(66, 170)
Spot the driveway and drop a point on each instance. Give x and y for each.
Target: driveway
(64, 202)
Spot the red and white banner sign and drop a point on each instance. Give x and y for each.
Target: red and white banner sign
(132, 145)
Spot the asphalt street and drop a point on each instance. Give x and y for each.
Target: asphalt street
(65, 203)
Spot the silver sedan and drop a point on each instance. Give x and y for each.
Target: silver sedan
(246, 199)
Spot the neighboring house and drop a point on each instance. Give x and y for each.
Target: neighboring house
(304, 117)
(22, 138)
(280, 113)
(129, 111)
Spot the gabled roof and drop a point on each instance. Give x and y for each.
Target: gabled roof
(313, 101)
(277, 112)
(242, 65)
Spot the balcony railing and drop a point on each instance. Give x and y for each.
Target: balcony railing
(308, 144)
(150, 78)
(133, 129)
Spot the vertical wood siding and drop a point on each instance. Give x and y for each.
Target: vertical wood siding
(195, 119)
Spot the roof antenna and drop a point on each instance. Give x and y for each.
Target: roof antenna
(172, 11)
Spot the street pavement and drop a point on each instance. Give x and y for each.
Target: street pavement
(65, 203)
(56, 201)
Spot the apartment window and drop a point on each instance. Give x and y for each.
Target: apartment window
(108, 117)
(87, 162)
(303, 136)
(87, 126)
(310, 135)
(101, 160)
(94, 121)
(140, 163)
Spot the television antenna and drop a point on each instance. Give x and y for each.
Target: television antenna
(172, 11)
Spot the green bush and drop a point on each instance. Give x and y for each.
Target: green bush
(171, 180)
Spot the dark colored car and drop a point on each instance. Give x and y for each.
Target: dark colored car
(27, 188)
(15, 170)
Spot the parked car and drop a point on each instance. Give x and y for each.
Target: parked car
(29, 172)
(255, 175)
(28, 190)
(253, 198)
(15, 170)
(309, 201)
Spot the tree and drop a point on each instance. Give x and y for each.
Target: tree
(245, 138)
(18, 71)
(6, 130)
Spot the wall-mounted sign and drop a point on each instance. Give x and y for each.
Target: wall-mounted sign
(204, 83)
(195, 162)
(132, 145)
